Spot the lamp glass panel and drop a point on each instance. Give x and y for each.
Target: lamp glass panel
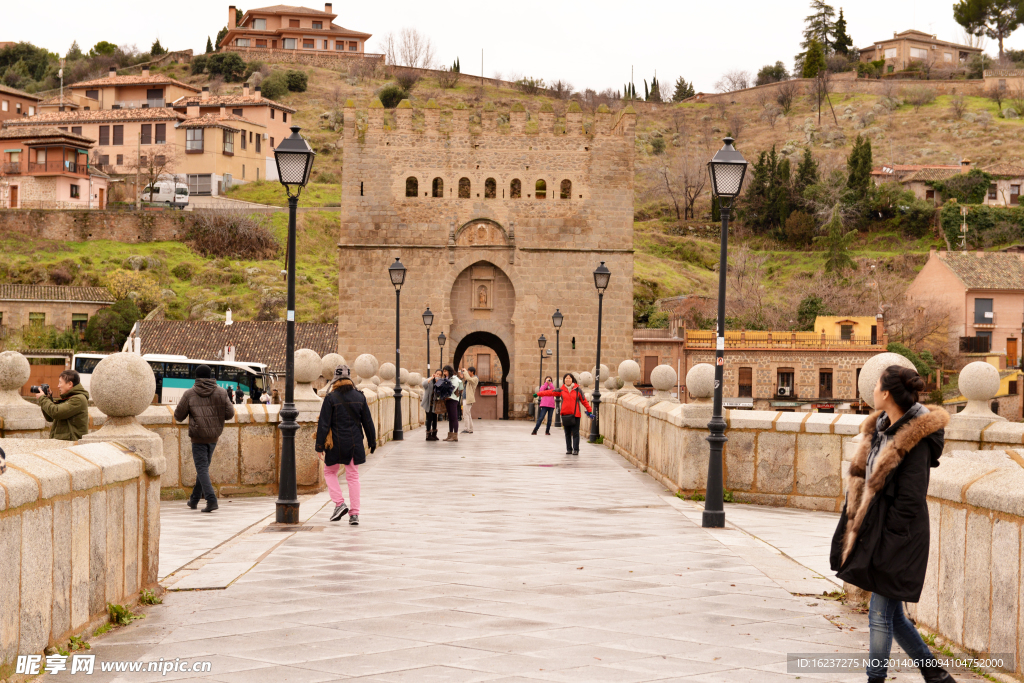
(292, 167)
(728, 178)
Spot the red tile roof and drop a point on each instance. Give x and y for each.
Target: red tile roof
(99, 116)
(290, 9)
(230, 101)
(1005, 169)
(216, 121)
(993, 270)
(138, 79)
(17, 93)
(930, 173)
(56, 293)
(254, 342)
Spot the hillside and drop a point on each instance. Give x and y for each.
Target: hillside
(673, 256)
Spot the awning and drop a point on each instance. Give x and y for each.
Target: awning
(785, 404)
(13, 150)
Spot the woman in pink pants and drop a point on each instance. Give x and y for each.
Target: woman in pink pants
(344, 419)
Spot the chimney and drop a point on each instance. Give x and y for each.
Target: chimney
(145, 71)
(113, 71)
(327, 8)
(245, 90)
(259, 93)
(206, 92)
(879, 326)
(192, 110)
(223, 110)
(231, 17)
(965, 165)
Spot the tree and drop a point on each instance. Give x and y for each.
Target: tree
(806, 173)
(108, 329)
(733, 80)
(132, 284)
(220, 35)
(810, 307)
(683, 90)
(785, 94)
(103, 48)
(157, 162)
(819, 27)
(858, 168)
(209, 45)
(766, 204)
(647, 93)
(684, 179)
(814, 60)
(409, 48)
(157, 49)
(772, 73)
(995, 19)
(74, 52)
(837, 242)
(843, 43)
(655, 95)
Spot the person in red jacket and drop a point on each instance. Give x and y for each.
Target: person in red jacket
(572, 397)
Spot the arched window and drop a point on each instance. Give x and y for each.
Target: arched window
(566, 189)
(438, 187)
(412, 187)
(490, 188)
(516, 189)
(464, 188)
(541, 190)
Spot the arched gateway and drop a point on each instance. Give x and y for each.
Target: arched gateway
(492, 266)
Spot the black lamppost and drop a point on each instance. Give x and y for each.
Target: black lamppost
(441, 339)
(428, 320)
(601, 277)
(556, 320)
(726, 169)
(397, 273)
(542, 342)
(294, 159)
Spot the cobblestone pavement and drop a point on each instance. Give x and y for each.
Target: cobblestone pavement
(497, 558)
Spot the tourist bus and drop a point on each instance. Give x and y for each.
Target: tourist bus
(175, 374)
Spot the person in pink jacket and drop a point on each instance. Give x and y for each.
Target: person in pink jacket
(547, 406)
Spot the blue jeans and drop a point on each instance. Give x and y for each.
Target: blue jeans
(887, 620)
(541, 412)
(202, 455)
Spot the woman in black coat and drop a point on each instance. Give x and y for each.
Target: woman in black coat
(344, 419)
(881, 543)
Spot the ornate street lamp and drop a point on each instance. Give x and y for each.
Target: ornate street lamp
(556, 320)
(601, 277)
(294, 159)
(441, 339)
(397, 273)
(428, 320)
(726, 169)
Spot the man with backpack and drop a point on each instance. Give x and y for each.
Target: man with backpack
(206, 406)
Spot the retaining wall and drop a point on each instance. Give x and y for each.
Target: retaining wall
(846, 83)
(81, 226)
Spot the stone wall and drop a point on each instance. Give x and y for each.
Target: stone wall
(318, 58)
(81, 226)
(79, 528)
(847, 83)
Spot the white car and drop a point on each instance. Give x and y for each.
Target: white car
(167, 192)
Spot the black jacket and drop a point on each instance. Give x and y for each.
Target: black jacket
(346, 414)
(881, 542)
(206, 406)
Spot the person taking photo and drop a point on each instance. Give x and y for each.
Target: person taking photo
(69, 411)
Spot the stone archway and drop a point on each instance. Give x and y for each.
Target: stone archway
(494, 343)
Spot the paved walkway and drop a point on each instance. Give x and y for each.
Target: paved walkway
(496, 559)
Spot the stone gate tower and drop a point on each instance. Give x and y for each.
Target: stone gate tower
(498, 223)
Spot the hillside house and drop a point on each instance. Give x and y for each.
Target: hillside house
(1008, 177)
(286, 30)
(983, 295)
(15, 104)
(48, 167)
(137, 91)
(906, 48)
(61, 307)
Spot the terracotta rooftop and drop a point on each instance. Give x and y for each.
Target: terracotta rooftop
(254, 342)
(99, 116)
(290, 9)
(137, 79)
(992, 270)
(1006, 169)
(17, 93)
(40, 133)
(903, 169)
(55, 293)
(931, 173)
(231, 101)
(56, 102)
(216, 121)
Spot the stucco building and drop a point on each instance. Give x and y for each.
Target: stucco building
(15, 104)
(497, 227)
(61, 307)
(907, 47)
(47, 167)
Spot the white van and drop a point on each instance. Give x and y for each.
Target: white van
(167, 192)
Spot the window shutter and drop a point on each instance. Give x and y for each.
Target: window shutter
(161, 133)
(104, 135)
(118, 135)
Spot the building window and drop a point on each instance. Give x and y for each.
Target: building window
(339, 45)
(104, 135)
(293, 23)
(983, 312)
(284, 117)
(992, 191)
(147, 134)
(271, 114)
(92, 94)
(318, 25)
(160, 137)
(271, 143)
(243, 139)
(32, 110)
(785, 381)
(326, 42)
(566, 189)
(464, 188)
(947, 57)
(236, 112)
(490, 188)
(258, 136)
(289, 43)
(3, 105)
(77, 130)
(74, 191)
(890, 53)
(261, 43)
(918, 53)
(308, 44)
(825, 384)
(79, 321)
(353, 47)
(437, 188)
(229, 142)
(1013, 387)
(846, 332)
(541, 190)
(37, 319)
(120, 160)
(243, 168)
(193, 140)
(259, 24)
(412, 187)
(1002, 84)
(515, 190)
(746, 384)
(104, 159)
(118, 135)
(241, 42)
(1014, 194)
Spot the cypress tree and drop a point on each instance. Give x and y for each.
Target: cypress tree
(209, 45)
(806, 173)
(842, 42)
(858, 167)
(814, 61)
(647, 93)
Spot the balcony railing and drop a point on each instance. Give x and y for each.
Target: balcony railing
(12, 168)
(975, 344)
(55, 166)
(139, 104)
(651, 333)
(703, 339)
(984, 318)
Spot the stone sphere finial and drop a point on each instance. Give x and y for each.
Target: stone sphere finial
(979, 381)
(873, 369)
(605, 373)
(403, 376)
(330, 363)
(700, 382)
(663, 378)
(365, 368)
(586, 380)
(386, 372)
(629, 374)
(122, 385)
(308, 366)
(14, 372)
(415, 380)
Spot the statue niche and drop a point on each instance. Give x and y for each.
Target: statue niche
(481, 233)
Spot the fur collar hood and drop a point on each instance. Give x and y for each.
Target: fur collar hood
(860, 492)
(343, 385)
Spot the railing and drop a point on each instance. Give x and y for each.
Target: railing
(12, 168)
(55, 166)
(984, 318)
(975, 344)
(651, 333)
(139, 104)
(779, 340)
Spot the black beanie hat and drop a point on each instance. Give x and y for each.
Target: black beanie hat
(203, 372)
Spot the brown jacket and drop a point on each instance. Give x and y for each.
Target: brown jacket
(206, 406)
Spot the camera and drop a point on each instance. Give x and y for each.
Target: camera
(44, 388)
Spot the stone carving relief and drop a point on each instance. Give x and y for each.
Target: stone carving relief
(481, 233)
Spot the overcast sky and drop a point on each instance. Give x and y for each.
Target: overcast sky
(590, 44)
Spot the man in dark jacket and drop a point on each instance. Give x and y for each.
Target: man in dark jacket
(206, 406)
(344, 419)
(69, 412)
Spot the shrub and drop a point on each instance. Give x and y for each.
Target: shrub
(391, 94)
(918, 95)
(326, 177)
(297, 81)
(226, 64)
(61, 275)
(148, 597)
(407, 79)
(529, 86)
(107, 330)
(658, 145)
(800, 229)
(121, 614)
(252, 67)
(182, 271)
(991, 224)
(199, 64)
(448, 79)
(232, 234)
(274, 86)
